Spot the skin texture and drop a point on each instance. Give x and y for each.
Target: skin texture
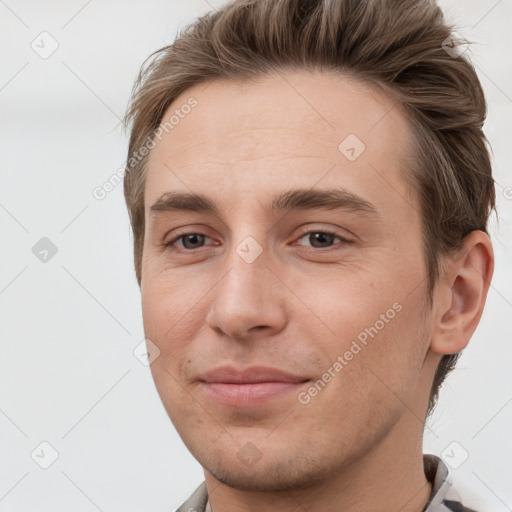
(357, 444)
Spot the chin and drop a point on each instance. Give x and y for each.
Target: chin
(266, 481)
(288, 472)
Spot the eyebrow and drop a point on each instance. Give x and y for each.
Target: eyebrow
(298, 199)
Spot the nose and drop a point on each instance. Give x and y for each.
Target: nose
(248, 299)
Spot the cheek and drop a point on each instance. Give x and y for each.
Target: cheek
(170, 298)
(170, 312)
(375, 332)
(367, 385)
(346, 307)
(170, 321)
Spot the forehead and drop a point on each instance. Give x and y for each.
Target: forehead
(250, 138)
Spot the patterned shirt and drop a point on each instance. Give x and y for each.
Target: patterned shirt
(443, 498)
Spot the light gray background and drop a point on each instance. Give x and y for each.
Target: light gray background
(69, 326)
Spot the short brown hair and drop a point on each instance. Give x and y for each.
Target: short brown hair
(396, 45)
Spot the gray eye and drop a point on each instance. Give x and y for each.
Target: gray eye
(191, 240)
(320, 239)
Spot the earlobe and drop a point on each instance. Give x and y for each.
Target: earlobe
(461, 294)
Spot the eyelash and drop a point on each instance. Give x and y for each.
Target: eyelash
(343, 240)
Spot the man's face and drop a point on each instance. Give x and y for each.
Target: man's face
(296, 289)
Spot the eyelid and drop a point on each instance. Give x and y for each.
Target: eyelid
(192, 229)
(344, 234)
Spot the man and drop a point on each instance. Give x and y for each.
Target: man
(309, 188)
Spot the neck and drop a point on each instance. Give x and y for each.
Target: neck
(390, 476)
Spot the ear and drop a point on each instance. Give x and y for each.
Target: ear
(461, 293)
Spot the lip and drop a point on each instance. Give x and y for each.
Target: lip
(249, 387)
(250, 375)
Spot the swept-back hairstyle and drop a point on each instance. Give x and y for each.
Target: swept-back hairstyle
(403, 47)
